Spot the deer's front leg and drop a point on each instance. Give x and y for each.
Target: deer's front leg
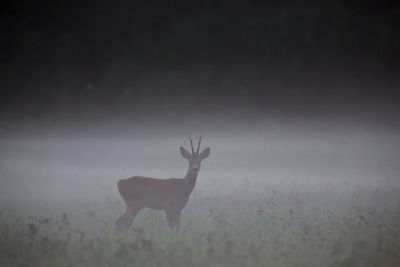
(177, 219)
(170, 218)
(173, 217)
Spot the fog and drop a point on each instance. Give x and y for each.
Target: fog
(56, 161)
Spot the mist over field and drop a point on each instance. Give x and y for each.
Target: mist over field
(50, 162)
(54, 162)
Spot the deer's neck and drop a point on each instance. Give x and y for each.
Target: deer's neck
(190, 181)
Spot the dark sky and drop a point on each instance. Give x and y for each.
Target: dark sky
(128, 55)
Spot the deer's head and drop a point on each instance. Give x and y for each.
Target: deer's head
(195, 158)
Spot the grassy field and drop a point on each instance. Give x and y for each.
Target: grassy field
(270, 200)
(215, 232)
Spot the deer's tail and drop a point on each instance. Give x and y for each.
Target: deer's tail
(123, 190)
(119, 186)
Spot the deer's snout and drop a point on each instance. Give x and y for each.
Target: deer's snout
(195, 168)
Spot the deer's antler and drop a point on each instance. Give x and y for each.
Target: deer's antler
(198, 146)
(191, 144)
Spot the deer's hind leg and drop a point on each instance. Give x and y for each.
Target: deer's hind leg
(125, 220)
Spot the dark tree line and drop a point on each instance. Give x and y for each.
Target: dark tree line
(64, 50)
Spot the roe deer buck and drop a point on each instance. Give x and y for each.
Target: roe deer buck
(170, 195)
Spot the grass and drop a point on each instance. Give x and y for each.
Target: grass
(355, 228)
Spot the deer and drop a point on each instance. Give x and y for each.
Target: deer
(170, 195)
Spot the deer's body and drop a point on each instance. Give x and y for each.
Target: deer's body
(159, 194)
(170, 195)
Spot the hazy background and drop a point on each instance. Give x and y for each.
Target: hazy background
(283, 92)
(53, 163)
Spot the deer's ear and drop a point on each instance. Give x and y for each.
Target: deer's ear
(184, 153)
(205, 153)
